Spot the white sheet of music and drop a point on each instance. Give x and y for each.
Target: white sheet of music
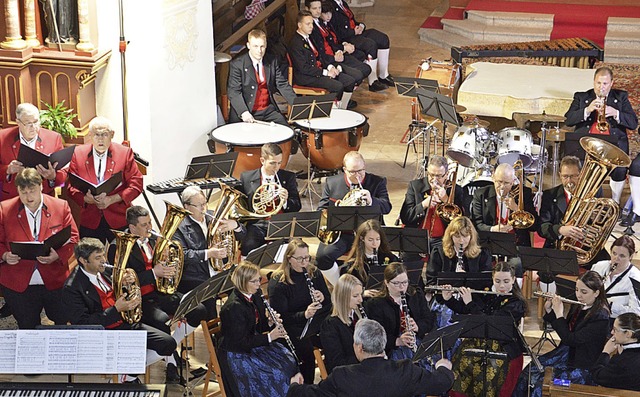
(72, 351)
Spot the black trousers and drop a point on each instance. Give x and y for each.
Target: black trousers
(158, 308)
(102, 232)
(268, 114)
(328, 254)
(360, 66)
(255, 237)
(158, 341)
(26, 306)
(342, 83)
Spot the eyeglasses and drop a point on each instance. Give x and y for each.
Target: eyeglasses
(101, 135)
(30, 125)
(355, 171)
(256, 281)
(430, 175)
(201, 205)
(503, 183)
(301, 258)
(399, 283)
(565, 177)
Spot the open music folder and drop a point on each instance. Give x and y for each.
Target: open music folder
(105, 187)
(31, 157)
(32, 249)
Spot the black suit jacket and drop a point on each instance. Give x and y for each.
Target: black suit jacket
(337, 343)
(377, 376)
(251, 181)
(303, 60)
(412, 214)
(483, 212)
(82, 302)
(137, 263)
(243, 86)
(617, 99)
(552, 209)
(336, 188)
(241, 332)
(340, 21)
(619, 371)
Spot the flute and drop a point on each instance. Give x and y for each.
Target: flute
(278, 324)
(407, 320)
(457, 289)
(565, 300)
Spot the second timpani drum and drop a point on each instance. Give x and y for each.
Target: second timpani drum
(247, 139)
(329, 139)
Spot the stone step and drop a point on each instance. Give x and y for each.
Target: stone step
(618, 55)
(622, 40)
(513, 19)
(617, 24)
(447, 40)
(504, 34)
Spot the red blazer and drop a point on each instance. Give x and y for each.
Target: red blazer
(14, 226)
(47, 143)
(119, 158)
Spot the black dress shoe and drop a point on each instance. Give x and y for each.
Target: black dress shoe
(387, 80)
(352, 104)
(172, 378)
(631, 220)
(199, 372)
(4, 311)
(377, 86)
(136, 381)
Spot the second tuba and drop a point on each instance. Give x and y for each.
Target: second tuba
(125, 280)
(168, 252)
(595, 216)
(227, 202)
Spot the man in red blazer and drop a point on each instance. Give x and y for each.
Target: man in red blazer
(97, 162)
(29, 286)
(28, 132)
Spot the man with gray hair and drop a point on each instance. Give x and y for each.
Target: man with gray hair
(375, 375)
(28, 132)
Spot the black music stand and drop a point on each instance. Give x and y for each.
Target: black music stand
(440, 107)
(376, 274)
(566, 287)
(438, 341)
(347, 219)
(211, 166)
(500, 244)
(407, 239)
(267, 254)
(498, 328)
(309, 108)
(474, 280)
(528, 350)
(293, 224)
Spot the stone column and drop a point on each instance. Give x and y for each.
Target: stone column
(30, 23)
(14, 40)
(84, 28)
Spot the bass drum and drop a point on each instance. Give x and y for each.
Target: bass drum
(325, 141)
(515, 144)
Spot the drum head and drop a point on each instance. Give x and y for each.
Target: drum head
(515, 144)
(251, 134)
(340, 119)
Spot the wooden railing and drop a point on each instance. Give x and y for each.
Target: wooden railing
(551, 390)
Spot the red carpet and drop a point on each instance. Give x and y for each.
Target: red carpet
(452, 13)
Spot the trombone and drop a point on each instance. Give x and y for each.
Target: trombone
(520, 219)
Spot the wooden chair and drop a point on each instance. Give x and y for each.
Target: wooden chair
(317, 353)
(210, 330)
(303, 90)
(551, 390)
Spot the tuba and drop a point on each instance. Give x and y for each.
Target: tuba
(447, 211)
(122, 275)
(596, 216)
(226, 203)
(168, 252)
(520, 219)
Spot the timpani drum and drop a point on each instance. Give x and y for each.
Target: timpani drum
(515, 144)
(247, 139)
(329, 139)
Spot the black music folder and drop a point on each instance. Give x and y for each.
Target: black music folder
(32, 249)
(107, 186)
(31, 157)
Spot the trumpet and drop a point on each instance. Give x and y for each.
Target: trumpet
(457, 289)
(565, 300)
(407, 320)
(602, 125)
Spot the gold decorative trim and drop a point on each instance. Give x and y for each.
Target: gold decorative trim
(181, 32)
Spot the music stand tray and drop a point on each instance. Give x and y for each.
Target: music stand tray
(211, 166)
(437, 106)
(311, 107)
(407, 239)
(347, 219)
(407, 86)
(502, 244)
(267, 254)
(376, 274)
(473, 280)
(438, 341)
(549, 260)
(293, 224)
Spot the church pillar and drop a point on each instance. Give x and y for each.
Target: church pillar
(30, 23)
(14, 40)
(84, 28)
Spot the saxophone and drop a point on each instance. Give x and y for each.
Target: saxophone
(122, 275)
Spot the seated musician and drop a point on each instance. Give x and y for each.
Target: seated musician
(29, 133)
(423, 196)
(193, 235)
(620, 117)
(89, 299)
(157, 307)
(291, 295)
(96, 162)
(368, 190)
(254, 78)
(270, 172)
(503, 378)
(617, 274)
(254, 364)
(336, 333)
(320, 36)
(28, 286)
(403, 312)
(369, 249)
(583, 333)
(374, 42)
(308, 69)
(375, 374)
(621, 370)
(492, 205)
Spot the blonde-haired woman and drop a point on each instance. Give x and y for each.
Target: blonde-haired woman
(253, 363)
(290, 295)
(337, 330)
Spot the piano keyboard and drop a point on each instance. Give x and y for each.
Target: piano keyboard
(177, 185)
(81, 390)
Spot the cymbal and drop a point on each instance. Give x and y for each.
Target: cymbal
(460, 109)
(478, 122)
(554, 135)
(548, 118)
(221, 57)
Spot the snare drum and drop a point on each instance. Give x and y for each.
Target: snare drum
(446, 74)
(463, 144)
(247, 139)
(329, 139)
(515, 144)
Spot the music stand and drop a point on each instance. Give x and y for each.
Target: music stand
(309, 108)
(267, 254)
(376, 274)
(407, 239)
(438, 341)
(500, 244)
(498, 328)
(293, 224)
(217, 166)
(473, 280)
(440, 107)
(347, 219)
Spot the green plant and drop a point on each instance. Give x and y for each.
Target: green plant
(60, 119)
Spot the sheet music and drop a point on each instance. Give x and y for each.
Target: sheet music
(72, 351)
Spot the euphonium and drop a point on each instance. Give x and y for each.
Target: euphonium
(596, 216)
(602, 125)
(447, 211)
(520, 219)
(217, 238)
(122, 275)
(353, 198)
(168, 252)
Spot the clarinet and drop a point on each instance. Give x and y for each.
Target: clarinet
(278, 324)
(374, 259)
(460, 265)
(312, 291)
(363, 314)
(407, 318)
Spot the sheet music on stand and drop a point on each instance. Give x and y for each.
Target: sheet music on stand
(293, 224)
(73, 351)
(311, 107)
(407, 239)
(211, 166)
(347, 219)
(214, 286)
(501, 244)
(408, 86)
(268, 254)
